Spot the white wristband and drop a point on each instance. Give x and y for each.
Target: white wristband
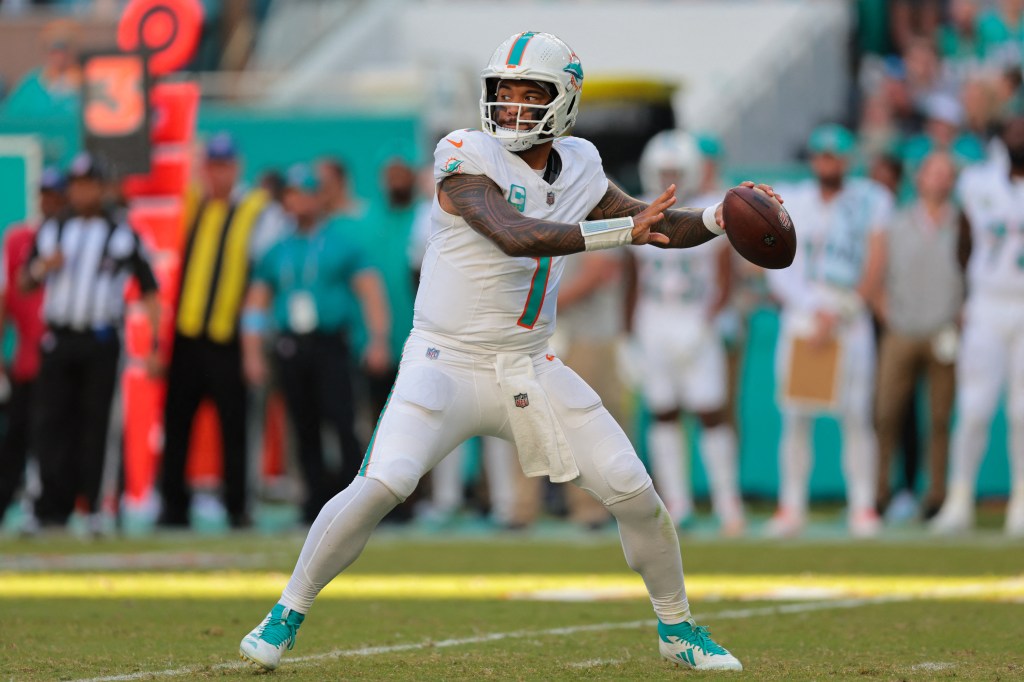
(709, 220)
(607, 234)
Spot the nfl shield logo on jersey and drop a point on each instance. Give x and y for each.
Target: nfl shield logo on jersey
(432, 353)
(522, 399)
(551, 198)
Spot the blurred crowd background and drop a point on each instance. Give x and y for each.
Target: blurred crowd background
(309, 188)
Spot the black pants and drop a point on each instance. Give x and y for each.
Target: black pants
(200, 369)
(73, 396)
(14, 446)
(316, 377)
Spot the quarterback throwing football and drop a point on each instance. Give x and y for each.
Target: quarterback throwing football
(513, 199)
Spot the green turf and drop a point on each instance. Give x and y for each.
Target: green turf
(45, 639)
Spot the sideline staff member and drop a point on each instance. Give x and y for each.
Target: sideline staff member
(85, 259)
(310, 282)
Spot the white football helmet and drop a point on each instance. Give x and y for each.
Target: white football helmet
(675, 152)
(538, 57)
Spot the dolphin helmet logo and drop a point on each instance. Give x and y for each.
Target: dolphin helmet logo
(575, 71)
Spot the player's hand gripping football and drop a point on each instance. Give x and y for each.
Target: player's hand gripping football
(651, 216)
(767, 189)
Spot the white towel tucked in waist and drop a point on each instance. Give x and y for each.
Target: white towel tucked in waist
(543, 449)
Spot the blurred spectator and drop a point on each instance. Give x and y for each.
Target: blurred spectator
(879, 132)
(24, 310)
(958, 37)
(85, 259)
(1008, 93)
(273, 183)
(307, 281)
(924, 73)
(942, 132)
(991, 355)
(53, 88)
(390, 223)
(678, 293)
(911, 18)
(1001, 30)
(887, 171)
(978, 99)
(922, 298)
(227, 231)
(894, 90)
(335, 189)
(825, 294)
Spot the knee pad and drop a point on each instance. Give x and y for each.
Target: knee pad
(400, 475)
(622, 473)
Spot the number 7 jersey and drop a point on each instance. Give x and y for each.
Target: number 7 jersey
(472, 293)
(994, 206)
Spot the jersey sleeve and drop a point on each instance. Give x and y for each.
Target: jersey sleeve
(263, 273)
(883, 208)
(460, 153)
(966, 188)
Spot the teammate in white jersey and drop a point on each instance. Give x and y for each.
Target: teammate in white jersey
(991, 354)
(678, 293)
(512, 200)
(825, 295)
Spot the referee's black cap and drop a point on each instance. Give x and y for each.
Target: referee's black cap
(85, 165)
(52, 180)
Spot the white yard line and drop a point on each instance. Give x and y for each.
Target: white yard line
(594, 662)
(732, 614)
(932, 666)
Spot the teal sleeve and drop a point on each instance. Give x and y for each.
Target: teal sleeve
(356, 261)
(265, 268)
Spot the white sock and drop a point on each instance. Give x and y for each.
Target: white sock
(446, 482)
(860, 463)
(794, 463)
(967, 447)
(718, 451)
(670, 465)
(651, 546)
(1015, 450)
(336, 539)
(500, 466)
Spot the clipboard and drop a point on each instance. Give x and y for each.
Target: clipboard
(812, 379)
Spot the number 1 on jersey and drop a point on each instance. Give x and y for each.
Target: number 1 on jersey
(535, 299)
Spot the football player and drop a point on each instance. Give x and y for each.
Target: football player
(991, 354)
(825, 296)
(678, 293)
(512, 200)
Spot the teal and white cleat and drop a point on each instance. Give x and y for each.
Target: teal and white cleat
(268, 640)
(691, 645)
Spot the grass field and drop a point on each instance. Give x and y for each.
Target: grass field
(512, 607)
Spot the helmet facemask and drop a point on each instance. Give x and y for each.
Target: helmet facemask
(539, 119)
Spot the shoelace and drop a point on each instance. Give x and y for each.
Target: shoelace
(276, 633)
(702, 637)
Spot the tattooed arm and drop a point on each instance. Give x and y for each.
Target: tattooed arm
(481, 204)
(684, 227)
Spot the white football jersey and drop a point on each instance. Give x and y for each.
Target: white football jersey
(832, 238)
(681, 277)
(994, 205)
(471, 292)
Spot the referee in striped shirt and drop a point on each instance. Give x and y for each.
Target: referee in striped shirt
(84, 259)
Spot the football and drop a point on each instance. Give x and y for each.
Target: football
(759, 228)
